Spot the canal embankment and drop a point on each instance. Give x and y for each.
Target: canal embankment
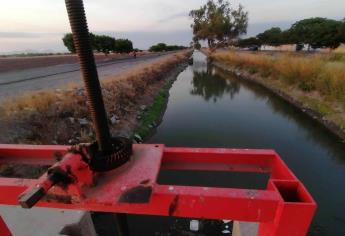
(61, 116)
(315, 84)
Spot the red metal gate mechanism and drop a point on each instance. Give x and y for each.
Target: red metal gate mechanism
(283, 208)
(112, 175)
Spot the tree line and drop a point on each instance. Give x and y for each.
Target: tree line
(102, 43)
(316, 32)
(162, 47)
(221, 25)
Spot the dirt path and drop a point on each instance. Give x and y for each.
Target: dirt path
(59, 76)
(13, 63)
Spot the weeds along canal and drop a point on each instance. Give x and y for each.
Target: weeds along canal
(208, 107)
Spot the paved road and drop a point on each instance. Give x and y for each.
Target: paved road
(53, 77)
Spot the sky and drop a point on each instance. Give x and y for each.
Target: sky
(38, 25)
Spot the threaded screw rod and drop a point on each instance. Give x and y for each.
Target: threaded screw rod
(77, 19)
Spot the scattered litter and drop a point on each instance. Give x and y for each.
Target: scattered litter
(83, 121)
(114, 120)
(194, 225)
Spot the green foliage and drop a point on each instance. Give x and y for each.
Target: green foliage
(123, 46)
(321, 107)
(197, 45)
(68, 42)
(101, 43)
(218, 23)
(273, 37)
(248, 42)
(155, 111)
(162, 47)
(317, 32)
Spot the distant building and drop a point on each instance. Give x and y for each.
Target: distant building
(292, 48)
(285, 48)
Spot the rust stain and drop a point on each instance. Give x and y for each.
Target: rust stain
(66, 199)
(145, 182)
(173, 205)
(139, 194)
(58, 156)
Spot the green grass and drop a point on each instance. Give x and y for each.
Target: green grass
(321, 107)
(154, 112)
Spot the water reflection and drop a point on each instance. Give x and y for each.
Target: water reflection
(211, 86)
(237, 113)
(311, 129)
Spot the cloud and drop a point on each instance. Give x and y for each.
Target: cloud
(173, 17)
(18, 35)
(26, 35)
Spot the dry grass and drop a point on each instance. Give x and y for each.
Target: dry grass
(315, 80)
(52, 116)
(322, 73)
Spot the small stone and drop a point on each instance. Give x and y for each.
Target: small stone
(65, 114)
(114, 120)
(226, 232)
(138, 138)
(80, 92)
(139, 117)
(71, 119)
(83, 121)
(143, 107)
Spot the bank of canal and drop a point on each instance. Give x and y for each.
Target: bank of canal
(210, 108)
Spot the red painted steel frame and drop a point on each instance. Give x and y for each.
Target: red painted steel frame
(284, 208)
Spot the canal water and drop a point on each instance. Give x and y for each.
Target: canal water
(208, 107)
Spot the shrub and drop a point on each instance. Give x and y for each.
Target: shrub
(323, 73)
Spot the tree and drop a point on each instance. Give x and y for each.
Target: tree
(317, 32)
(103, 43)
(248, 42)
(68, 42)
(341, 32)
(273, 37)
(197, 45)
(218, 23)
(123, 46)
(160, 47)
